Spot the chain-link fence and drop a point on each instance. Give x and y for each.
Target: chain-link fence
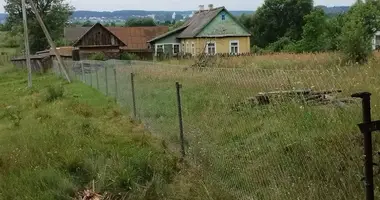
(253, 133)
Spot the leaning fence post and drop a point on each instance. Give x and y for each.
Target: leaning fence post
(178, 87)
(133, 95)
(106, 79)
(366, 106)
(116, 89)
(83, 77)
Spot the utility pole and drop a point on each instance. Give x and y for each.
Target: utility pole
(26, 39)
(50, 40)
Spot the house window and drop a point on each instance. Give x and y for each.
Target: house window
(160, 48)
(223, 17)
(175, 48)
(193, 48)
(377, 39)
(234, 47)
(211, 48)
(187, 47)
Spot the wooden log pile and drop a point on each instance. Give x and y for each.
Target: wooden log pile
(307, 96)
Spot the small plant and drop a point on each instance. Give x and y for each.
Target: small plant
(129, 56)
(13, 114)
(98, 56)
(54, 93)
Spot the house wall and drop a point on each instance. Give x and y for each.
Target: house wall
(375, 40)
(218, 26)
(99, 36)
(222, 44)
(169, 39)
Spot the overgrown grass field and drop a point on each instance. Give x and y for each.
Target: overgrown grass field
(286, 150)
(58, 139)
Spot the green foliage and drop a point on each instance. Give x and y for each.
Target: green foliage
(129, 56)
(134, 22)
(54, 92)
(361, 23)
(176, 25)
(279, 45)
(314, 32)
(277, 19)
(87, 23)
(54, 12)
(98, 56)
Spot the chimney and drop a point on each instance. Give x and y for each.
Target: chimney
(201, 7)
(210, 6)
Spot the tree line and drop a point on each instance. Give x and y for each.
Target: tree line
(297, 26)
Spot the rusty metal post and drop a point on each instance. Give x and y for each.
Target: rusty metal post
(133, 95)
(179, 104)
(116, 88)
(366, 106)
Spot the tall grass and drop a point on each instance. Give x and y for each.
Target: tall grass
(285, 150)
(57, 148)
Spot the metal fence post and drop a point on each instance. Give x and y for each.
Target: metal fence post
(91, 75)
(116, 88)
(366, 106)
(97, 78)
(83, 77)
(106, 79)
(178, 87)
(133, 95)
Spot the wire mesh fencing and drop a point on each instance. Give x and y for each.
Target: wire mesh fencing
(253, 133)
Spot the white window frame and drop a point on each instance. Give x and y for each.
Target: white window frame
(238, 46)
(212, 42)
(187, 48)
(156, 47)
(179, 47)
(193, 50)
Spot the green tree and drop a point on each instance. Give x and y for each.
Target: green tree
(314, 36)
(361, 23)
(176, 25)
(279, 18)
(133, 22)
(87, 23)
(55, 14)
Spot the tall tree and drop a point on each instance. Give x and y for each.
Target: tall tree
(279, 18)
(361, 23)
(55, 14)
(133, 22)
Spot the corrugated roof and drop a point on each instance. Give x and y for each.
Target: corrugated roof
(199, 21)
(133, 37)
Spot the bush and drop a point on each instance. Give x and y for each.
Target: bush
(256, 50)
(54, 93)
(129, 56)
(98, 56)
(279, 45)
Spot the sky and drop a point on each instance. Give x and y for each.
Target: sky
(112, 5)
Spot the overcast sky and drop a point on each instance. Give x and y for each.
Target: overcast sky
(111, 5)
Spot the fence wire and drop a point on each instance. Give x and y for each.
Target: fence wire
(253, 133)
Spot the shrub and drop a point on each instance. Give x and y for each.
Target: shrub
(279, 45)
(98, 56)
(54, 93)
(129, 56)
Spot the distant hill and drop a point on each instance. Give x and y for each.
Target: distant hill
(122, 15)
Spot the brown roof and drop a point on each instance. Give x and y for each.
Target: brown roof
(137, 37)
(134, 37)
